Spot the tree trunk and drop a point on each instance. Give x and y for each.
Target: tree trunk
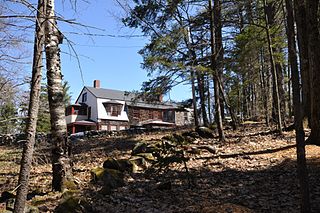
(273, 71)
(314, 69)
(218, 117)
(226, 101)
(60, 153)
(209, 101)
(28, 148)
(201, 89)
(194, 100)
(219, 54)
(298, 113)
(264, 88)
(301, 20)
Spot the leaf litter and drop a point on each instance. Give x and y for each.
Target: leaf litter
(254, 171)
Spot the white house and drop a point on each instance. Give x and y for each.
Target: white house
(106, 109)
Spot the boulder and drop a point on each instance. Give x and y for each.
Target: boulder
(111, 163)
(205, 132)
(97, 174)
(139, 148)
(138, 161)
(146, 148)
(191, 134)
(112, 179)
(147, 156)
(73, 204)
(126, 165)
(69, 184)
(179, 138)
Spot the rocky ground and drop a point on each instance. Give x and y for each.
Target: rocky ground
(254, 171)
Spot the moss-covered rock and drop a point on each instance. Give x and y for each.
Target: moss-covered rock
(69, 185)
(73, 204)
(70, 193)
(111, 163)
(147, 156)
(205, 132)
(138, 161)
(97, 174)
(179, 138)
(191, 134)
(139, 148)
(112, 179)
(125, 165)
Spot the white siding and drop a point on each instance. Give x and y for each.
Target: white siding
(73, 118)
(91, 102)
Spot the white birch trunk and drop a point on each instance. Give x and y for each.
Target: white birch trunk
(60, 152)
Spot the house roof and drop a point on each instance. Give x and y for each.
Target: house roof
(153, 105)
(129, 98)
(111, 94)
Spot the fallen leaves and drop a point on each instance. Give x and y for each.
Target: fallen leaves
(254, 171)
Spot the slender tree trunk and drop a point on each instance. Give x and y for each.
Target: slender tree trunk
(200, 79)
(273, 71)
(226, 101)
(194, 100)
(218, 117)
(314, 69)
(209, 101)
(298, 112)
(60, 153)
(289, 90)
(28, 148)
(301, 20)
(265, 89)
(219, 55)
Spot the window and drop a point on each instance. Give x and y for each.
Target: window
(84, 97)
(113, 110)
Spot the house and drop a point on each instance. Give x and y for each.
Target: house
(113, 110)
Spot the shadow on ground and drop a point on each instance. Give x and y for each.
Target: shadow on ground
(274, 189)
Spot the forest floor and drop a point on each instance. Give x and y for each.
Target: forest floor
(255, 169)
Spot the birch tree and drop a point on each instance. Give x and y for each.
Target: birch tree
(61, 170)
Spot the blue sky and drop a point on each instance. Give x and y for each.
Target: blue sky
(112, 60)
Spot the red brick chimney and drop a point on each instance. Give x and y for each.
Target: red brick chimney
(96, 83)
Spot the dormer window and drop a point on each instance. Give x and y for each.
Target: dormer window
(113, 108)
(84, 97)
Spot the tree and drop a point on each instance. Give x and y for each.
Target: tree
(273, 65)
(32, 111)
(8, 109)
(312, 8)
(215, 70)
(298, 111)
(61, 169)
(43, 124)
(301, 20)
